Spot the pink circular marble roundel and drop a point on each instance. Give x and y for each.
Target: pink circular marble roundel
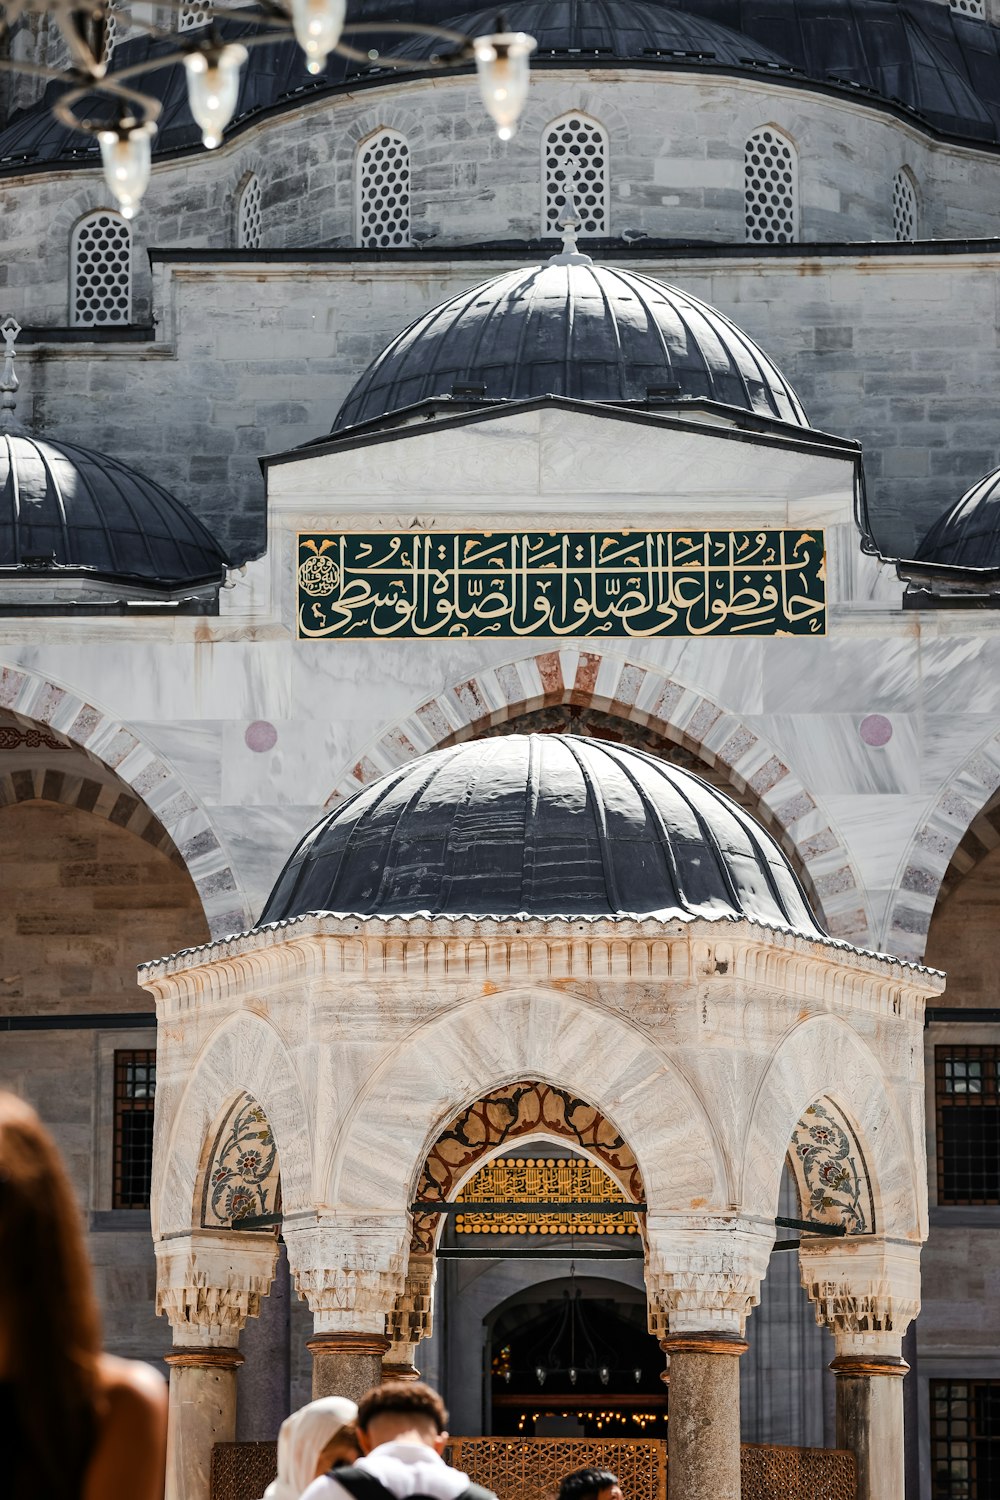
(261, 736)
(875, 730)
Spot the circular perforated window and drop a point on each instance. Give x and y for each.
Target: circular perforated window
(904, 208)
(384, 190)
(969, 7)
(102, 271)
(194, 14)
(248, 221)
(578, 148)
(769, 189)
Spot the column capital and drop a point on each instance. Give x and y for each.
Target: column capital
(411, 1317)
(704, 1280)
(867, 1291)
(349, 1270)
(210, 1281)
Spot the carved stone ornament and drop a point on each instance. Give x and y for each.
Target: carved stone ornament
(866, 1295)
(704, 1281)
(209, 1284)
(411, 1318)
(350, 1273)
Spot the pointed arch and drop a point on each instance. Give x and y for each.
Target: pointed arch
(578, 143)
(823, 1060)
(550, 1036)
(770, 187)
(34, 699)
(644, 696)
(382, 189)
(245, 1058)
(100, 285)
(956, 828)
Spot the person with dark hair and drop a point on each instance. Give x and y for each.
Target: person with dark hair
(402, 1432)
(75, 1424)
(590, 1484)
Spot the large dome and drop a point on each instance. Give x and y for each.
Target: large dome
(967, 535)
(592, 332)
(65, 509)
(543, 826)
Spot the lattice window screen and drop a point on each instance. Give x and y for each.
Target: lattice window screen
(904, 208)
(769, 189)
(248, 218)
(969, 7)
(383, 190)
(101, 271)
(115, 27)
(581, 145)
(194, 14)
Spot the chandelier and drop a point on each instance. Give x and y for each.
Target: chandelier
(213, 66)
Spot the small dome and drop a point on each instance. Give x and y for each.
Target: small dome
(543, 826)
(591, 332)
(66, 508)
(967, 535)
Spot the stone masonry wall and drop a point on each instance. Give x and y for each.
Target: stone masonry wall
(901, 352)
(676, 144)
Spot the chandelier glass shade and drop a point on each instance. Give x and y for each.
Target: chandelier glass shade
(213, 67)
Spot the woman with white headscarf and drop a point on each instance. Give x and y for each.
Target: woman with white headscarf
(311, 1441)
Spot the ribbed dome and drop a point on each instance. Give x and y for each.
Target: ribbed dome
(608, 29)
(968, 535)
(545, 826)
(592, 332)
(63, 507)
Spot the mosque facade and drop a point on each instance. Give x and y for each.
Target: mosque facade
(395, 524)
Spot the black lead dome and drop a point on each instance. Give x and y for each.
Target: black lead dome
(590, 332)
(541, 826)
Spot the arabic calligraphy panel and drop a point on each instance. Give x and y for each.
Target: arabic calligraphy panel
(421, 584)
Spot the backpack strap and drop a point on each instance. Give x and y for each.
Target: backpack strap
(360, 1485)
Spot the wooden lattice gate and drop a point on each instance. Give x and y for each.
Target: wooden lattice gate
(530, 1468)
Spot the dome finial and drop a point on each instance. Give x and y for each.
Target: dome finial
(9, 328)
(569, 222)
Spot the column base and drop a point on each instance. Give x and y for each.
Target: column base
(346, 1364)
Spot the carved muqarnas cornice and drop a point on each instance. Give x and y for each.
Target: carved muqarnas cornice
(423, 952)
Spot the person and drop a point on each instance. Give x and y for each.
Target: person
(590, 1484)
(402, 1432)
(314, 1439)
(75, 1423)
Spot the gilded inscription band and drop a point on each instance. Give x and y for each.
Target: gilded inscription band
(421, 584)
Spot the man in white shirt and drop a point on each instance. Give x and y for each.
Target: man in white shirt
(401, 1433)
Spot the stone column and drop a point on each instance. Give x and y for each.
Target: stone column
(411, 1318)
(208, 1284)
(701, 1285)
(350, 1271)
(867, 1293)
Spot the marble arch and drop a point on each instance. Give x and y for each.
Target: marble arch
(511, 1036)
(33, 699)
(644, 695)
(824, 1059)
(959, 819)
(245, 1055)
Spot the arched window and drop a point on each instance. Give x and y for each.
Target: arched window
(248, 219)
(115, 26)
(580, 145)
(969, 7)
(100, 271)
(383, 190)
(194, 13)
(904, 207)
(770, 193)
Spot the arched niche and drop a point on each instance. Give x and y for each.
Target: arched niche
(829, 1170)
(241, 1177)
